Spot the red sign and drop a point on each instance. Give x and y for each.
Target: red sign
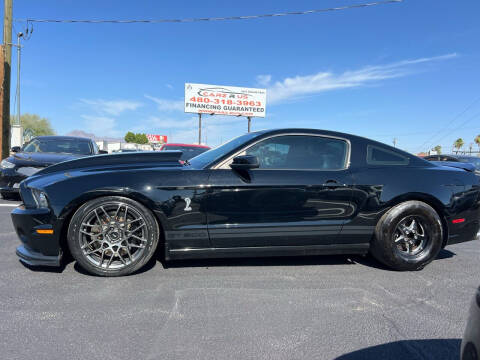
(157, 138)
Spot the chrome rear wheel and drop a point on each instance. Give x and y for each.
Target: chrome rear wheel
(410, 236)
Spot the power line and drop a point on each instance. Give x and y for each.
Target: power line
(431, 142)
(459, 126)
(189, 20)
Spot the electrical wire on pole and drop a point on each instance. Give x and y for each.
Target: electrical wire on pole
(226, 18)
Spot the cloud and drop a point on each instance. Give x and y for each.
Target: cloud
(101, 126)
(166, 104)
(298, 86)
(112, 107)
(264, 80)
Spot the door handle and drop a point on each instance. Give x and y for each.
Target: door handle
(333, 184)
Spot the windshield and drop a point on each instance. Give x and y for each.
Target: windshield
(188, 152)
(79, 147)
(211, 156)
(471, 160)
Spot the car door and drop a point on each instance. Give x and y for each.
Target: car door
(299, 195)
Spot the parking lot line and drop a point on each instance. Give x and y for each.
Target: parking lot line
(13, 205)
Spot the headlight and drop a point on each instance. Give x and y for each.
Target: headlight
(40, 198)
(6, 164)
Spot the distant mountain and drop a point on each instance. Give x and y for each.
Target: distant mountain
(81, 133)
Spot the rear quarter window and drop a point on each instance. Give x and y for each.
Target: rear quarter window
(380, 156)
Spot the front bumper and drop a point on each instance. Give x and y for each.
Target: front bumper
(9, 180)
(37, 249)
(33, 258)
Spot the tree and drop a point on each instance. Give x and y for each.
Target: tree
(141, 139)
(477, 141)
(130, 137)
(458, 143)
(39, 126)
(438, 149)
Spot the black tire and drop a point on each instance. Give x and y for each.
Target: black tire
(409, 252)
(92, 257)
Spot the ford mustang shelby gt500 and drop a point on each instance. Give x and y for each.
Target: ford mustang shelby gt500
(266, 193)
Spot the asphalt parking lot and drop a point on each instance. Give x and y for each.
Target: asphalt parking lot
(286, 308)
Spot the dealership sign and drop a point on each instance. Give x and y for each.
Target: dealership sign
(155, 139)
(225, 100)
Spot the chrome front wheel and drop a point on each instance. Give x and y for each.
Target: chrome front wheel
(113, 236)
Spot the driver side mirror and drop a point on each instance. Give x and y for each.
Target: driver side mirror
(245, 162)
(15, 149)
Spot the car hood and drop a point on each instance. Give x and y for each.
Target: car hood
(123, 160)
(40, 159)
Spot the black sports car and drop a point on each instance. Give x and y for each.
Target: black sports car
(455, 158)
(39, 153)
(267, 193)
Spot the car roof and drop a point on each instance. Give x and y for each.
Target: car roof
(187, 145)
(58, 137)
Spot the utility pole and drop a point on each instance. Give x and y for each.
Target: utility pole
(249, 122)
(19, 35)
(199, 128)
(5, 79)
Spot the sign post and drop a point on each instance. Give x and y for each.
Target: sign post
(224, 100)
(199, 128)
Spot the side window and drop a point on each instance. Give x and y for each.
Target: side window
(380, 156)
(300, 152)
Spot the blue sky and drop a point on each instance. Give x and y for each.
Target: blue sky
(401, 70)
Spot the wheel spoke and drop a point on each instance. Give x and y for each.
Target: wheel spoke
(88, 233)
(110, 260)
(413, 226)
(400, 238)
(88, 244)
(133, 221)
(122, 259)
(136, 237)
(102, 257)
(98, 217)
(137, 246)
(129, 254)
(116, 212)
(409, 248)
(106, 214)
(93, 251)
(136, 229)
